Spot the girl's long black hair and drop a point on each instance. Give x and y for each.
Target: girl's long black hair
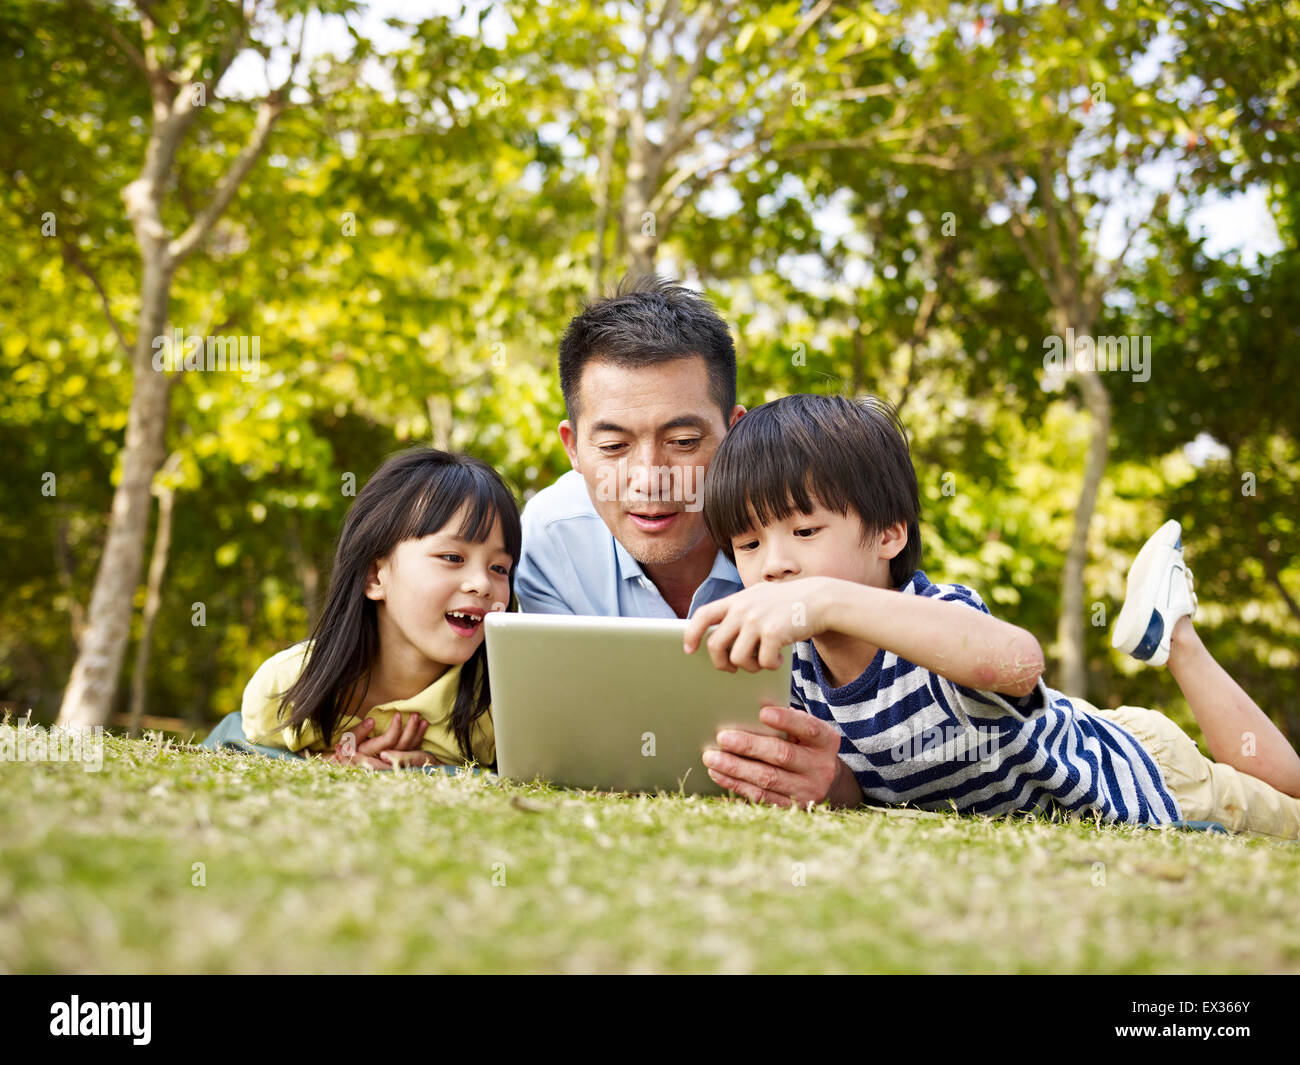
(413, 494)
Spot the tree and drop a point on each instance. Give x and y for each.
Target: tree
(1066, 127)
(181, 74)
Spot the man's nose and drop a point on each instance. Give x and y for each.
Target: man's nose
(648, 474)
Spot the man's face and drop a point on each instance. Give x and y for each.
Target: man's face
(644, 438)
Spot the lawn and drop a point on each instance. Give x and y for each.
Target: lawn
(175, 859)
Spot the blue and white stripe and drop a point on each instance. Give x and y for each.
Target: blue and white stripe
(911, 736)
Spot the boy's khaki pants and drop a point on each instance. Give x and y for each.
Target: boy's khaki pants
(1206, 790)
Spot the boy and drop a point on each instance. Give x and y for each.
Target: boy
(816, 499)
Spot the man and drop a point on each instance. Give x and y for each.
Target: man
(649, 383)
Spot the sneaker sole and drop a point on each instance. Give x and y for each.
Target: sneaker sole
(1146, 573)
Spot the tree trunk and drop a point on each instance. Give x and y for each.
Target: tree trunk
(152, 600)
(639, 224)
(1071, 629)
(89, 696)
(604, 181)
(63, 559)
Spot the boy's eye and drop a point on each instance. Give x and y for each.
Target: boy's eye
(805, 533)
(503, 570)
(749, 545)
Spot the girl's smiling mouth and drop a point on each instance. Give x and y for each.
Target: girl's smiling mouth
(465, 622)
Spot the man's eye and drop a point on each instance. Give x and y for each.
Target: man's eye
(610, 449)
(687, 444)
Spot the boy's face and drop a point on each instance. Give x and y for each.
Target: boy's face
(820, 544)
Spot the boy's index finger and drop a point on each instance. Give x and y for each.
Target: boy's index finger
(708, 614)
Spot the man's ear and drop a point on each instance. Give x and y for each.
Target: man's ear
(893, 540)
(374, 585)
(569, 438)
(737, 412)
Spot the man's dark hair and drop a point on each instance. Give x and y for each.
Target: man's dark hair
(649, 320)
(795, 452)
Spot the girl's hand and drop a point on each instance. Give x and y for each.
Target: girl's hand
(755, 624)
(408, 759)
(355, 748)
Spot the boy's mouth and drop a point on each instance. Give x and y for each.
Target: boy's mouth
(653, 522)
(463, 622)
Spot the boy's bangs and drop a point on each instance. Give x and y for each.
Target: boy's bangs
(771, 485)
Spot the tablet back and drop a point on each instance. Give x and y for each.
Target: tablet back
(614, 704)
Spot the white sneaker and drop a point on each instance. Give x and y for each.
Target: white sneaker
(1159, 592)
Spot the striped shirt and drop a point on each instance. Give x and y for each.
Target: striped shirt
(913, 737)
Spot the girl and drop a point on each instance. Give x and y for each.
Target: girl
(428, 548)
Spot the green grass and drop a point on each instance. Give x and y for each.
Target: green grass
(313, 868)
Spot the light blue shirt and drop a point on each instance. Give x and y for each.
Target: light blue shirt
(572, 564)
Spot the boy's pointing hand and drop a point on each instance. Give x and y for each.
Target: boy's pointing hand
(753, 625)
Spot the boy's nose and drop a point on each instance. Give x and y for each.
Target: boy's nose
(775, 568)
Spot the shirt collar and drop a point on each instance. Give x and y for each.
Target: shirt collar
(723, 568)
(436, 700)
(627, 565)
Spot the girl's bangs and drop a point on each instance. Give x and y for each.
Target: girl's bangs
(452, 487)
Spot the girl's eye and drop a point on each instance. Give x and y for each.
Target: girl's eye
(747, 546)
(801, 533)
(503, 570)
(453, 558)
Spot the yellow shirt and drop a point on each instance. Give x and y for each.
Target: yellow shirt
(263, 722)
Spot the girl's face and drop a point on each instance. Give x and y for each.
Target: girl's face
(433, 593)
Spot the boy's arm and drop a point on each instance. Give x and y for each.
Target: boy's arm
(965, 645)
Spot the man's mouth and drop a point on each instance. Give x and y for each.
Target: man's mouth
(650, 522)
(465, 622)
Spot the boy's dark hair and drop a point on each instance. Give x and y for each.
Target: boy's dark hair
(649, 320)
(800, 450)
(414, 493)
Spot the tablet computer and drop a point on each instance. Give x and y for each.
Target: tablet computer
(615, 704)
